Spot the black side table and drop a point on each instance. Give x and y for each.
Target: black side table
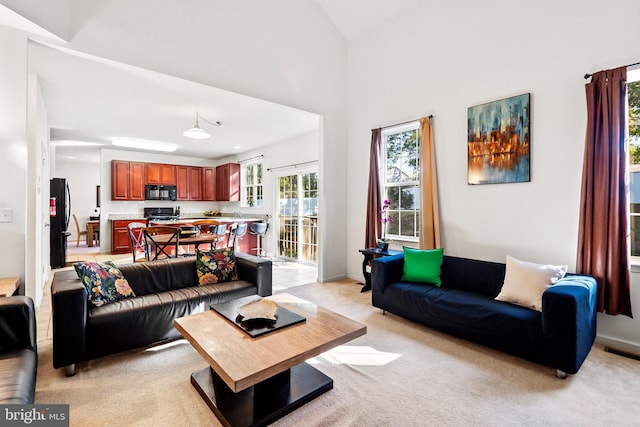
(369, 255)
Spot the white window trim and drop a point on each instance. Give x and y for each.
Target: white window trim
(414, 125)
(634, 261)
(243, 183)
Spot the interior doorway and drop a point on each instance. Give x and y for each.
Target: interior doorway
(297, 218)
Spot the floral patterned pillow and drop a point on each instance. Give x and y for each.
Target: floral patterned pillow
(216, 266)
(104, 281)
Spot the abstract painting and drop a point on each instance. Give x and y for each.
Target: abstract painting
(499, 141)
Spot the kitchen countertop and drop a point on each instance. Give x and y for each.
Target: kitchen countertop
(217, 218)
(188, 217)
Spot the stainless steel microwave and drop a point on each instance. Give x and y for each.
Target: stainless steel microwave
(160, 192)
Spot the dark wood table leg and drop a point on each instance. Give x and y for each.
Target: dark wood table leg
(265, 402)
(367, 275)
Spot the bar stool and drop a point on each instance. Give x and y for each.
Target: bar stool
(259, 229)
(236, 231)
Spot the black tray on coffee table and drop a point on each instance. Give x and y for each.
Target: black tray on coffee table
(256, 327)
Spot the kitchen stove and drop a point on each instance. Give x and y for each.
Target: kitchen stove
(160, 214)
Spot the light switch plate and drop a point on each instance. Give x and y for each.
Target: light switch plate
(6, 214)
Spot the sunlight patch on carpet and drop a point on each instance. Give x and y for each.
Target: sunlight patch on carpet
(355, 355)
(166, 346)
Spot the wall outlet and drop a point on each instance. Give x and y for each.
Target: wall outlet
(6, 215)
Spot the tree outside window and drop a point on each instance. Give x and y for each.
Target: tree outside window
(402, 180)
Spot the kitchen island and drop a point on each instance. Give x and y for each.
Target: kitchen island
(119, 228)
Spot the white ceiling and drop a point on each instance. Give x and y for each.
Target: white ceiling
(93, 100)
(353, 17)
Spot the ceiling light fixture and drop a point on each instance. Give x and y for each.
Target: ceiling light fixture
(144, 145)
(197, 132)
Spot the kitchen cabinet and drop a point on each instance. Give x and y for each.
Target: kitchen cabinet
(195, 183)
(120, 242)
(189, 182)
(228, 182)
(209, 183)
(127, 180)
(160, 173)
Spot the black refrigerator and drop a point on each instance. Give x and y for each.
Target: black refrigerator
(59, 212)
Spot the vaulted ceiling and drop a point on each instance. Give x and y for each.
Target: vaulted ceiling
(92, 100)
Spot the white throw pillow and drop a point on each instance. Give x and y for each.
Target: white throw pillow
(524, 282)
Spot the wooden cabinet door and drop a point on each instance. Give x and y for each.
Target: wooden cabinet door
(228, 182)
(222, 180)
(152, 172)
(119, 180)
(120, 242)
(182, 179)
(136, 181)
(195, 183)
(209, 183)
(168, 174)
(234, 182)
(160, 174)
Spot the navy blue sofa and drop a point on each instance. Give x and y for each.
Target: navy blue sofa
(560, 336)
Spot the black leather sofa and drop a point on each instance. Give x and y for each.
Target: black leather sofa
(560, 336)
(18, 351)
(165, 290)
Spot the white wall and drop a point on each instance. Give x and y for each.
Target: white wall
(13, 150)
(286, 52)
(433, 59)
(82, 178)
(38, 236)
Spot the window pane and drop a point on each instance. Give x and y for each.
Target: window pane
(259, 173)
(402, 156)
(634, 191)
(635, 235)
(633, 119)
(392, 226)
(408, 223)
(409, 198)
(249, 175)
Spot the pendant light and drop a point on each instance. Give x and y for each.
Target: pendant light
(197, 132)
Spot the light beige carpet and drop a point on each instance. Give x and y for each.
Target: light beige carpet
(399, 374)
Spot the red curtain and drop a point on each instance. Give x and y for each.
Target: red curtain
(374, 217)
(603, 228)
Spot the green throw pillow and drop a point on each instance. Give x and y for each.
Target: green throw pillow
(422, 265)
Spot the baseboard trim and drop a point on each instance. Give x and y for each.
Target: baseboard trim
(619, 347)
(332, 279)
(622, 353)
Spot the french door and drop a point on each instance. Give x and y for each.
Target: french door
(297, 199)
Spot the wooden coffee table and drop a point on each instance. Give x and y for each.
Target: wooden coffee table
(255, 381)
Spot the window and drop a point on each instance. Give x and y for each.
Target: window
(401, 154)
(251, 183)
(633, 125)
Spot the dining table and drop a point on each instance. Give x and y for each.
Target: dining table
(195, 240)
(93, 232)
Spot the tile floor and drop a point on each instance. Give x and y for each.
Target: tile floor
(285, 275)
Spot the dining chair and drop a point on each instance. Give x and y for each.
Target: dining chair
(188, 230)
(137, 240)
(79, 233)
(162, 238)
(209, 226)
(219, 230)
